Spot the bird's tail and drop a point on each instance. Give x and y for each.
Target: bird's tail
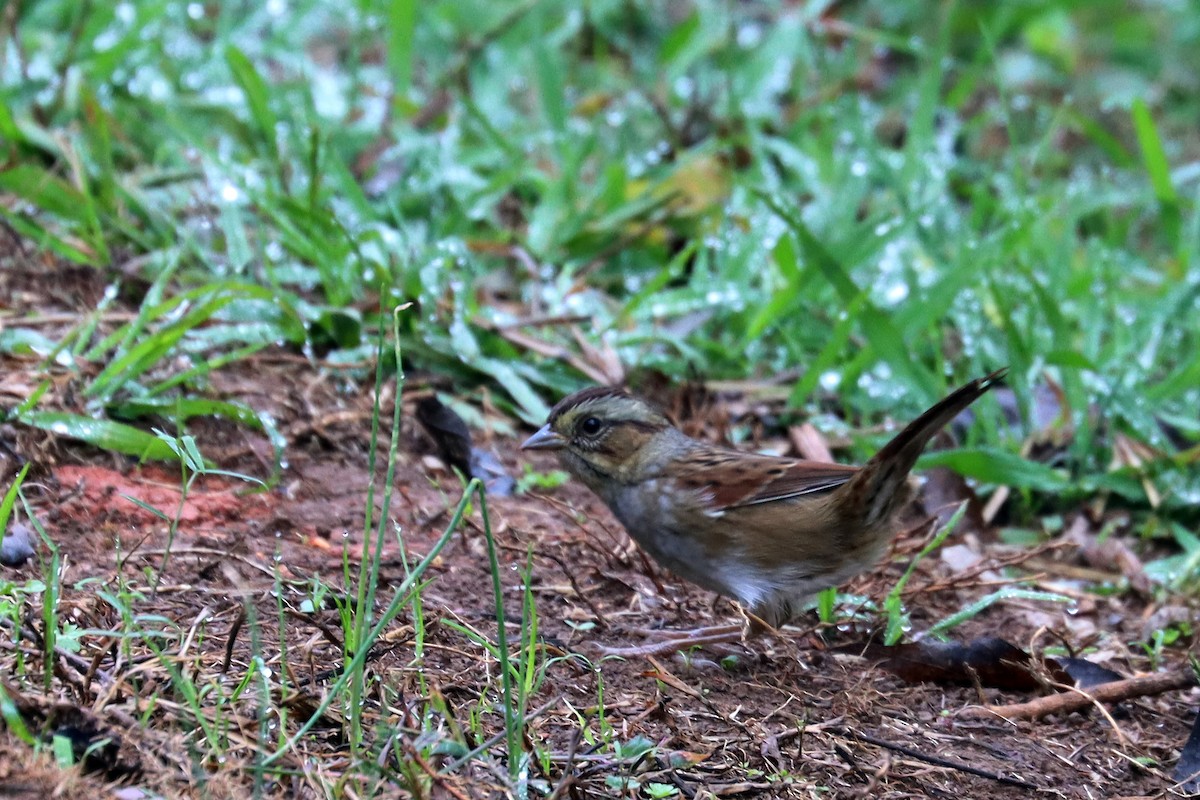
(875, 487)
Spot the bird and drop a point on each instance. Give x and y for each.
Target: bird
(766, 531)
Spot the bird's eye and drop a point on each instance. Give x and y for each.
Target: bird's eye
(590, 426)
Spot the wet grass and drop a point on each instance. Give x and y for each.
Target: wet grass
(853, 207)
(873, 204)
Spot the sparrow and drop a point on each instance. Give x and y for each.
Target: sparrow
(766, 531)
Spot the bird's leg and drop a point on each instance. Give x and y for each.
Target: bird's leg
(668, 642)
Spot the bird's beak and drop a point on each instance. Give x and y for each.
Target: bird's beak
(545, 439)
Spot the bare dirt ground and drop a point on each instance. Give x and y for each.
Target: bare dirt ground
(795, 716)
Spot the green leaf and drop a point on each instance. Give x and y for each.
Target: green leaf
(1154, 159)
(897, 619)
(142, 504)
(257, 95)
(660, 791)
(402, 22)
(23, 341)
(45, 237)
(1000, 467)
(550, 73)
(8, 125)
(10, 498)
(788, 261)
(831, 352)
(46, 191)
(1069, 358)
(180, 410)
(1111, 145)
(102, 433)
(1007, 593)
(529, 405)
(128, 366)
(13, 719)
(64, 753)
(682, 45)
(342, 328)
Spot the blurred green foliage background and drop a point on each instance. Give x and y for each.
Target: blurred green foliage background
(860, 203)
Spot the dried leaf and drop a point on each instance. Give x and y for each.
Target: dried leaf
(1187, 769)
(453, 440)
(989, 661)
(1135, 455)
(810, 443)
(448, 431)
(1107, 553)
(960, 557)
(603, 358)
(1086, 674)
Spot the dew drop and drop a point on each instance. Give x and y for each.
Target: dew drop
(896, 293)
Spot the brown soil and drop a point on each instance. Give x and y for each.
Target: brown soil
(792, 716)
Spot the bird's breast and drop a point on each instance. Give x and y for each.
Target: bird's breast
(682, 539)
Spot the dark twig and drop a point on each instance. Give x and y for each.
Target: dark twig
(597, 614)
(108, 649)
(935, 760)
(568, 776)
(326, 632)
(231, 639)
(80, 664)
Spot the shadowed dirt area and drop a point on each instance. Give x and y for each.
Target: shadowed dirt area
(797, 715)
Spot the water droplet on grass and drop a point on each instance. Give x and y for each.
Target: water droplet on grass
(895, 293)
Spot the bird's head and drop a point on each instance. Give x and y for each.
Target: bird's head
(604, 434)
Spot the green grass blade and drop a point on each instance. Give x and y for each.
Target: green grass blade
(105, 434)
(1154, 160)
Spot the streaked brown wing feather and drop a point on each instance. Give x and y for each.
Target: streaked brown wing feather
(730, 480)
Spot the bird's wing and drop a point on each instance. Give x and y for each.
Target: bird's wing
(729, 479)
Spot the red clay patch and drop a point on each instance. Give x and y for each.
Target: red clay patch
(212, 502)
